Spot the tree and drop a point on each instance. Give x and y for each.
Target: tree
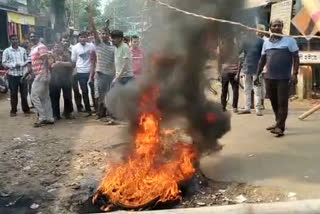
(38, 6)
(123, 13)
(79, 15)
(59, 11)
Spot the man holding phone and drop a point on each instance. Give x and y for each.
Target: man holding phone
(15, 59)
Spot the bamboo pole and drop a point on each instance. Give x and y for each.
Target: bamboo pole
(310, 112)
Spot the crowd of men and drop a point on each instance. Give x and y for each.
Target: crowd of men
(97, 63)
(269, 66)
(102, 59)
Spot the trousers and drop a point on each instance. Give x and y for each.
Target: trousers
(55, 93)
(16, 85)
(41, 100)
(226, 79)
(258, 92)
(103, 82)
(82, 80)
(278, 92)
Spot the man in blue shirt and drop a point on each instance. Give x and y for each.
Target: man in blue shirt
(252, 48)
(278, 55)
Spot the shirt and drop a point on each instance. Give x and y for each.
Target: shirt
(81, 56)
(62, 74)
(279, 57)
(252, 54)
(137, 60)
(11, 57)
(38, 65)
(123, 59)
(229, 58)
(105, 58)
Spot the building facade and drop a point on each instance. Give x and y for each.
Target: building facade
(15, 19)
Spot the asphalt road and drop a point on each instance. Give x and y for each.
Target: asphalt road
(254, 156)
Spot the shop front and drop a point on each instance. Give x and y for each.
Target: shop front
(21, 25)
(295, 23)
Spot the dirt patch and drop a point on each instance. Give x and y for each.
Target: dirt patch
(56, 169)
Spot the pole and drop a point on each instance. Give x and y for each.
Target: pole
(310, 112)
(114, 17)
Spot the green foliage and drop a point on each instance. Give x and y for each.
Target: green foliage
(38, 6)
(80, 15)
(123, 13)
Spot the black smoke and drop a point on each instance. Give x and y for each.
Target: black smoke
(179, 47)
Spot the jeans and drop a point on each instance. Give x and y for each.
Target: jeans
(16, 84)
(278, 92)
(82, 79)
(41, 100)
(103, 83)
(248, 86)
(76, 93)
(93, 87)
(226, 79)
(55, 92)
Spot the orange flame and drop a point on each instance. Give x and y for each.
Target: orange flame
(149, 175)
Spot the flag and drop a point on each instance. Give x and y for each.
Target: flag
(313, 8)
(304, 23)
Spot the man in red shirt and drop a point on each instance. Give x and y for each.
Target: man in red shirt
(137, 56)
(40, 87)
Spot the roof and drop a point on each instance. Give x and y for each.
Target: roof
(14, 11)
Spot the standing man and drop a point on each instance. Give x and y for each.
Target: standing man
(279, 54)
(124, 79)
(15, 59)
(40, 88)
(123, 59)
(104, 68)
(252, 48)
(230, 72)
(61, 79)
(81, 59)
(137, 56)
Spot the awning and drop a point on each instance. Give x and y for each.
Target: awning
(21, 18)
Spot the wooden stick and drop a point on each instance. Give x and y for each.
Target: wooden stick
(310, 112)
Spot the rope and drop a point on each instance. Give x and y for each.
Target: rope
(230, 22)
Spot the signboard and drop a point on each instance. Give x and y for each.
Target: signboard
(309, 57)
(21, 18)
(283, 11)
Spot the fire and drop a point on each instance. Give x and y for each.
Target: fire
(150, 175)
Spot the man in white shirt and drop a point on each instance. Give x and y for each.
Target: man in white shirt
(15, 59)
(81, 53)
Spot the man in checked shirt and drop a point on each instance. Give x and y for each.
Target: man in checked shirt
(16, 60)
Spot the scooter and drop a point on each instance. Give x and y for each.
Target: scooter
(3, 82)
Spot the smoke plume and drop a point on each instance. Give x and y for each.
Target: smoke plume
(178, 49)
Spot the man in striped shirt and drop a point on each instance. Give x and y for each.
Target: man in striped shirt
(15, 59)
(104, 68)
(40, 87)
